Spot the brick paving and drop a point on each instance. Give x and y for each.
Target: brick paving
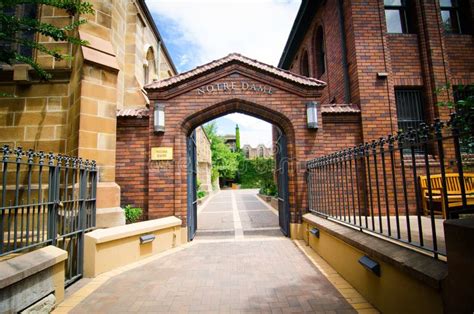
(253, 273)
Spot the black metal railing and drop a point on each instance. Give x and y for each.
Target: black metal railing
(400, 187)
(46, 199)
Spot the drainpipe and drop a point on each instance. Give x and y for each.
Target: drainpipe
(345, 65)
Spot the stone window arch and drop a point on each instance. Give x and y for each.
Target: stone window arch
(320, 52)
(149, 66)
(261, 152)
(304, 66)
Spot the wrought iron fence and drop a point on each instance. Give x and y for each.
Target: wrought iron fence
(400, 187)
(46, 199)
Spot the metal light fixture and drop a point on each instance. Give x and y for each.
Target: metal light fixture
(370, 264)
(312, 114)
(159, 118)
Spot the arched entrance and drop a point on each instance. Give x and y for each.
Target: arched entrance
(231, 84)
(283, 129)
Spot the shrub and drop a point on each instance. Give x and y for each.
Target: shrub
(132, 214)
(201, 194)
(269, 189)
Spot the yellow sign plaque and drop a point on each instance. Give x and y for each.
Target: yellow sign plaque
(162, 153)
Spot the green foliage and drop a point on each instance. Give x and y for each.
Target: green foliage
(464, 108)
(13, 30)
(201, 194)
(269, 189)
(132, 214)
(224, 161)
(237, 138)
(256, 173)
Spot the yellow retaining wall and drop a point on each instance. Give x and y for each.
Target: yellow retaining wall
(30, 277)
(395, 291)
(107, 249)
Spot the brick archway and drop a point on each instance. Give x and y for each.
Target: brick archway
(283, 152)
(231, 84)
(240, 106)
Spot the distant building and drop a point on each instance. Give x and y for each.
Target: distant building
(204, 160)
(230, 140)
(260, 151)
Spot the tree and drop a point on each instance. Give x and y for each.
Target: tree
(224, 161)
(17, 31)
(464, 108)
(237, 138)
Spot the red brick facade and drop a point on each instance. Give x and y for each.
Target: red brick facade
(132, 161)
(161, 186)
(425, 58)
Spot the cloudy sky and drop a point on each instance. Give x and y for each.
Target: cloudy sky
(199, 31)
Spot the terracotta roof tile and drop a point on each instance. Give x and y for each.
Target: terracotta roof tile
(340, 108)
(235, 57)
(133, 112)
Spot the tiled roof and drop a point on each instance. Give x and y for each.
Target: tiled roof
(340, 108)
(235, 57)
(133, 112)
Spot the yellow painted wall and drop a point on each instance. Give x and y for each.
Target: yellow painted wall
(393, 292)
(106, 256)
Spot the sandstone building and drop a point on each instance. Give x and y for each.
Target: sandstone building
(204, 160)
(261, 151)
(75, 113)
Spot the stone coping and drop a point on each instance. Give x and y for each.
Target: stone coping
(422, 267)
(26, 265)
(120, 232)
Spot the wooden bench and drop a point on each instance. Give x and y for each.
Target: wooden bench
(453, 189)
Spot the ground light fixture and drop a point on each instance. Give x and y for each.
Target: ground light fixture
(312, 114)
(159, 118)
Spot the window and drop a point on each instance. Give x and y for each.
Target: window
(397, 16)
(320, 53)
(261, 152)
(20, 11)
(304, 65)
(409, 108)
(149, 67)
(455, 16)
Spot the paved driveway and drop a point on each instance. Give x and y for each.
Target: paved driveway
(239, 262)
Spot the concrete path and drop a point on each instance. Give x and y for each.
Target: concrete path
(237, 214)
(238, 263)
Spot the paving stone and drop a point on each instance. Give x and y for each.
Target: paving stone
(265, 275)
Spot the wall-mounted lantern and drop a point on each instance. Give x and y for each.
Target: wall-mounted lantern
(312, 114)
(159, 118)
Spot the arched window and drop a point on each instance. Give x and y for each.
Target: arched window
(304, 64)
(320, 53)
(261, 152)
(149, 66)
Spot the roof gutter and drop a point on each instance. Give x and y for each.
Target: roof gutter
(302, 21)
(149, 17)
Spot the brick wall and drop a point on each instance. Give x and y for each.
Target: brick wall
(426, 59)
(186, 110)
(132, 161)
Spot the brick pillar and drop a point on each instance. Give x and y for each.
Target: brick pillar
(434, 58)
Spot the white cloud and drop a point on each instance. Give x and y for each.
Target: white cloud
(214, 28)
